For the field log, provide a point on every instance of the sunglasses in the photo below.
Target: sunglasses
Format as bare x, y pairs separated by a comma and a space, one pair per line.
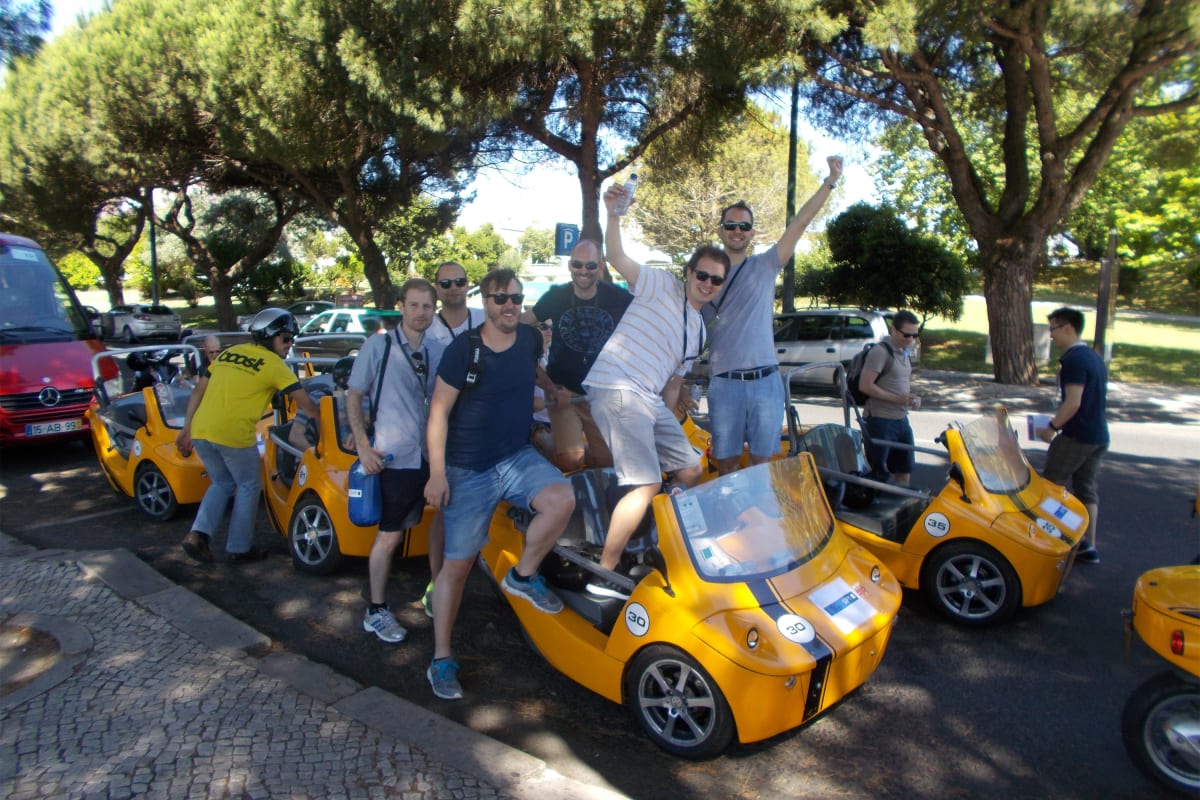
543, 326
500, 298
287, 338
716, 280
907, 335
590, 266
446, 283
737, 226
419, 366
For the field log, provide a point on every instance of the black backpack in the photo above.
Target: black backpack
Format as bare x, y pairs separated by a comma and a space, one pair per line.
855, 371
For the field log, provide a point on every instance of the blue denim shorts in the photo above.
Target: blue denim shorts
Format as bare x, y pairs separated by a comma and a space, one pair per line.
743, 412
474, 495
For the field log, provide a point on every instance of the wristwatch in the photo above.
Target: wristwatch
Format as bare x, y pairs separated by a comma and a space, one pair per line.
1052, 426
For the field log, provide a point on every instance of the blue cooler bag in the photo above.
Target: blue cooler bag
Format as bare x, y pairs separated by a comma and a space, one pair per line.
366, 502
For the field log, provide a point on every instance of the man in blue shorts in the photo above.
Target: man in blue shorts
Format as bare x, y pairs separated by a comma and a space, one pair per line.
745, 393
887, 381
479, 454
1078, 431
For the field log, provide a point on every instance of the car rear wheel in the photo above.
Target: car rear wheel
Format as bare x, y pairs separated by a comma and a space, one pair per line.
127, 335
678, 704
971, 583
153, 493
312, 539
1158, 726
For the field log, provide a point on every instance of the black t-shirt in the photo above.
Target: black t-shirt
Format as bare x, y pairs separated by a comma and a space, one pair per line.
581, 327
490, 421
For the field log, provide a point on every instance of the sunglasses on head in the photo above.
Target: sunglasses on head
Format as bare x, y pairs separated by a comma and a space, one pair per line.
737, 226
500, 298
446, 283
716, 280
590, 266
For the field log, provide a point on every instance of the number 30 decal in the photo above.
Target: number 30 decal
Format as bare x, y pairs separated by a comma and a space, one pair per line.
637, 620
795, 628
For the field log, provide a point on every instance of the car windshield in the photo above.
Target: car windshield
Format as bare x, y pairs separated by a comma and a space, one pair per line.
317, 323
996, 454
756, 522
36, 305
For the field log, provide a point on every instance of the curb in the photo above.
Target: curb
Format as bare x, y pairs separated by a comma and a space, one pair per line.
512, 771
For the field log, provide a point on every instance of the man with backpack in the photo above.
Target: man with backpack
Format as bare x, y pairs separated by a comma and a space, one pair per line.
885, 381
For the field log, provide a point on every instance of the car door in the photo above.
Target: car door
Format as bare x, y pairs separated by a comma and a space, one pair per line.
851, 333
804, 338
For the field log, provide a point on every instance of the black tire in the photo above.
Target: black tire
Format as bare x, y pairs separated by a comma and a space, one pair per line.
678, 704
127, 335
971, 583
153, 494
1152, 726
312, 540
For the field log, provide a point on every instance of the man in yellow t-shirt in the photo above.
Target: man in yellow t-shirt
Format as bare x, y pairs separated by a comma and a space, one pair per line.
221, 415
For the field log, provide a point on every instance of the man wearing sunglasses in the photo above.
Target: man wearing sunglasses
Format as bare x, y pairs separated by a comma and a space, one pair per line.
399, 427
480, 454
886, 379
585, 313
639, 368
453, 317
746, 397
227, 402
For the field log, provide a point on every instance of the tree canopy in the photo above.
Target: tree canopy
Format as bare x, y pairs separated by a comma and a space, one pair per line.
1046, 87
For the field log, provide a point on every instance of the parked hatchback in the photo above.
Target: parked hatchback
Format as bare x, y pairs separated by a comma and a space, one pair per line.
303, 311
136, 323
825, 334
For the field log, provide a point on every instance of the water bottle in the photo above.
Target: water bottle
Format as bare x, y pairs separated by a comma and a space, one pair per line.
630, 188
365, 505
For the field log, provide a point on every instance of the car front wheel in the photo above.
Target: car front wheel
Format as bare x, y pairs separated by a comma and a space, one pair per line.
678, 704
971, 583
153, 493
312, 539
1161, 731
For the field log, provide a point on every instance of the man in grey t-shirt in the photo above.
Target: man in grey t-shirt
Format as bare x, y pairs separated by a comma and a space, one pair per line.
886, 380
746, 396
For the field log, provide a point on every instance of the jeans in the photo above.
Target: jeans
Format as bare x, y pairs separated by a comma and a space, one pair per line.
235, 472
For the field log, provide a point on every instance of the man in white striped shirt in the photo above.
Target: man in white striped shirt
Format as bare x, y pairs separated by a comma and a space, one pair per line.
646, 356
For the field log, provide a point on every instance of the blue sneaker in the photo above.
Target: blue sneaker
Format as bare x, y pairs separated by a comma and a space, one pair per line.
443, 677
534, 590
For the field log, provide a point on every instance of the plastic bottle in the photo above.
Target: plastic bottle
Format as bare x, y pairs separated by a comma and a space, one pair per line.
365, 503
630, 188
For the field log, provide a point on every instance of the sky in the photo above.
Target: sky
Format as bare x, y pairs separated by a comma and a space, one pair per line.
549, 194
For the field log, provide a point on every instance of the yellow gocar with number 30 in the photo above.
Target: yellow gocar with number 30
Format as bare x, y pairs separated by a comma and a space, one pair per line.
749, 614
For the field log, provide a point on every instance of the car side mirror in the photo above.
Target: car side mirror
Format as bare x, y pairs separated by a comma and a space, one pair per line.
956, 475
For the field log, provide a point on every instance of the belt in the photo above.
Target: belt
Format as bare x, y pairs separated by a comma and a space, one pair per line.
749, 374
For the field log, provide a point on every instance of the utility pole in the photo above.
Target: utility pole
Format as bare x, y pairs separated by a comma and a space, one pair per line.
153, 249
789, 269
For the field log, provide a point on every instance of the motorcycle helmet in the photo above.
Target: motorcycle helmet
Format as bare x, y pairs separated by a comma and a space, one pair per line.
341, 372
270, 322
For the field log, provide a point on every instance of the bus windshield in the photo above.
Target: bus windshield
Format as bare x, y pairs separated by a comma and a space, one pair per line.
36, 303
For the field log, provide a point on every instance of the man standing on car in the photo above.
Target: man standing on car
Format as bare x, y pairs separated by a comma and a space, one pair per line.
399, 428
1078, 431
453, 317
639, 368
585, 313
886, 380
746, 397
219, 422
480, 454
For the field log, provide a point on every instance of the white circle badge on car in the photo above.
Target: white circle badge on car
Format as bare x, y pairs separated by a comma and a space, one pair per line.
796, 628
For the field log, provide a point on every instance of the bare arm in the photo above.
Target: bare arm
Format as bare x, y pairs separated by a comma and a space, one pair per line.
183, 440
437, 491
305, 402
866, 383
626, 266
1072, 398
808, 211
370, 458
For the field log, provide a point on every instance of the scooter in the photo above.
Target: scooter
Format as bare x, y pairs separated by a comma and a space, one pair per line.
1161, 721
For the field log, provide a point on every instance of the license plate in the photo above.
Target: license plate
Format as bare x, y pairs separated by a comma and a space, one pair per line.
50, 428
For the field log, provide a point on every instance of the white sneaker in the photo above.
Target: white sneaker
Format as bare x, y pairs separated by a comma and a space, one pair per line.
383, 624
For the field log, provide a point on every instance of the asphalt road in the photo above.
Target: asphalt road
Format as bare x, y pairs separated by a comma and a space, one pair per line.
1029, 710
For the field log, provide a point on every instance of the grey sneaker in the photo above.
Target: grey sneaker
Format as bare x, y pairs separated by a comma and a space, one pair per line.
534, 590
383, 624
427, 600
443, 677
602, 588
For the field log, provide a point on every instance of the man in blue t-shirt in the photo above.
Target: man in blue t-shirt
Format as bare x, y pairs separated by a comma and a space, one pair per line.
746, 396
585, 312
1078, 431
479, 454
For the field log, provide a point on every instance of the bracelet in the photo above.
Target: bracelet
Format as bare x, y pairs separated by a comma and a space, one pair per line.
1052, 426
830, 184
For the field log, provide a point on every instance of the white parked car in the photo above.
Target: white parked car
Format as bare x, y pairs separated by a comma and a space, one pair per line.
138, 323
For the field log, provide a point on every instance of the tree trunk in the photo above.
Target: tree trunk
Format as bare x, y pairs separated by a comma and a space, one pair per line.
1008, 268
222, 294
589, 189
374, 263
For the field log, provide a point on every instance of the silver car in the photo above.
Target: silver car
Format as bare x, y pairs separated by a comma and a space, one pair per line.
825, 334
137, 323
